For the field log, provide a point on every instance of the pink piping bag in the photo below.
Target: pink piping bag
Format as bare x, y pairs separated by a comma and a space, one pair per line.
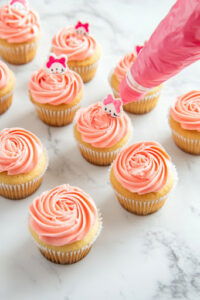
174, 45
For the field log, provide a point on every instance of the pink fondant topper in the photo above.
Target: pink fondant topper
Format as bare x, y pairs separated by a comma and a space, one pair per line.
56, 64
112, 106
21, 5
82, 28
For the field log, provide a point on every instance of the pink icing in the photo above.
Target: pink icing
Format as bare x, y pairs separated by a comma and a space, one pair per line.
76, 46
100, 129
4, 75
142, 167
17, 26
186, 111
20, 151
123, 66
55, 88
62, 215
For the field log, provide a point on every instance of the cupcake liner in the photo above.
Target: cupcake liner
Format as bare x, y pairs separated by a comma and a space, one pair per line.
70, 257
57, 117
186, 144
5, 102
86, 72
141, 207
20, 191
19, 54
96, 157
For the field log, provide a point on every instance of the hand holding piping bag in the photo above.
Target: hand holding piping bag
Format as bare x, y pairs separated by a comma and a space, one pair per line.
174, 45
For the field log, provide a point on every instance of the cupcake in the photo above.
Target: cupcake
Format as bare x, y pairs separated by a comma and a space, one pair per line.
149, 101
142, 177
23, 162
57, 94
64, 223
99, 135
82, 50
184, 121
7, 83
19, 32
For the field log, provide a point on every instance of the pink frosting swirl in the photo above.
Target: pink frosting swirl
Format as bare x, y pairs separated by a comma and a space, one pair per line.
100, 129
124, 65
17, 26
4, 75
55, 88
20, 151
62, 215
142, 167
186, 111
76, 46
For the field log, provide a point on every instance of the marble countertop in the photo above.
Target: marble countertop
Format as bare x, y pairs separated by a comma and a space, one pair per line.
140, 258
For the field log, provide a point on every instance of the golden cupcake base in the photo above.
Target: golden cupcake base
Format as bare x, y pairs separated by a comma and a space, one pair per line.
65, 258
70, 253
186, 140
5, 103
100, 156
96, 157
87, 73
20, 191
20, 53
58, 115
141, 204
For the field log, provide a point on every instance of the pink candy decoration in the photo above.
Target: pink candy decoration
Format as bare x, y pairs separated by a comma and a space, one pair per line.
112, 106
56, 64
82, 28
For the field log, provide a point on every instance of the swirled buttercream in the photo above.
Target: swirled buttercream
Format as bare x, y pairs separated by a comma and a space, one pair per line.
17, 26
55, 89
20, 151
62, 215
100, 129
186, 111
76, 46
142, 167
123, 66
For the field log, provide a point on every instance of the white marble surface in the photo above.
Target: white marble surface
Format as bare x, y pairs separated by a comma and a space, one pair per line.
140, 258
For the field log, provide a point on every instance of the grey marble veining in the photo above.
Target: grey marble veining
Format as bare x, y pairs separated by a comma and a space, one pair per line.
135, 258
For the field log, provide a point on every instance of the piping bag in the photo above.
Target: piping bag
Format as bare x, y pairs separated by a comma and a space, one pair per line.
174, 45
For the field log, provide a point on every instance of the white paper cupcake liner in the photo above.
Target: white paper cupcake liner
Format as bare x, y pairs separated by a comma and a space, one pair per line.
195, 142
57, 117
17, 50
83, 69
64, 257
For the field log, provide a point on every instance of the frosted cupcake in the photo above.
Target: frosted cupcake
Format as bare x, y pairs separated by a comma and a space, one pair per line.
56, 92
143, 105
23, 162
7, 83
184, 121
19, 32
82, 50
142, 177
100, 135
64, 223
